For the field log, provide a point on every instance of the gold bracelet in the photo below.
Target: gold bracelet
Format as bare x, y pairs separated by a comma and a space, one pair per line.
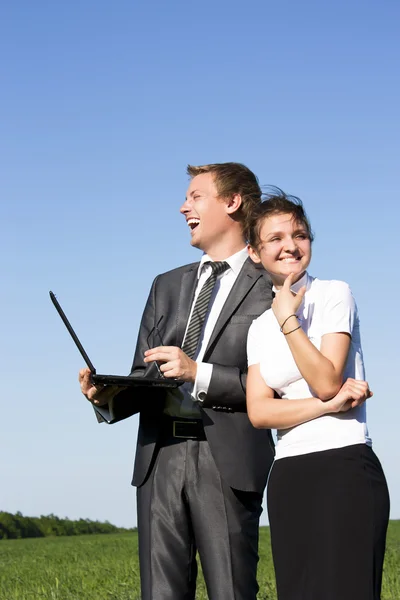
299, 327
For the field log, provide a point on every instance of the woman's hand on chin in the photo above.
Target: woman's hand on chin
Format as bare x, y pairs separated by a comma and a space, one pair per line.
286, 303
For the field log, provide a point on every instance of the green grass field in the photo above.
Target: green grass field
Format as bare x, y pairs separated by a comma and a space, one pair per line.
97, 567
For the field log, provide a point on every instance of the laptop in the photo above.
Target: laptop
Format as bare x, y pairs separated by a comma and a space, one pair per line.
118, 380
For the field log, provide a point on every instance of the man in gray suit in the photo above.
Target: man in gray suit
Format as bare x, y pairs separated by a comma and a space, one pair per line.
200, 468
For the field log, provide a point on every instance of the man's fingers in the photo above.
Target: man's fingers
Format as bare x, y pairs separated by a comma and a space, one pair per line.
157, 349
162, 349
97, 394
170, 371
157, 357
95, 391
85, 381
170, 364
83, 373
102, 394
163, 353
173, 362
98, 398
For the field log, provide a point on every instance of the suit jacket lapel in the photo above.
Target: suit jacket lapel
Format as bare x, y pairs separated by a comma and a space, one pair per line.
186, 295
246, 279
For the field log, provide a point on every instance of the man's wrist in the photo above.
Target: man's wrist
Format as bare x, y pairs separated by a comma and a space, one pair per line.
194, 372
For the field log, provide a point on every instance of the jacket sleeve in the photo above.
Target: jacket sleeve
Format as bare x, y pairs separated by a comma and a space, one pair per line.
227, 389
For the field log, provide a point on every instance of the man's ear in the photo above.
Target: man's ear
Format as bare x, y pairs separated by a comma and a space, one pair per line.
233, 204
253, 254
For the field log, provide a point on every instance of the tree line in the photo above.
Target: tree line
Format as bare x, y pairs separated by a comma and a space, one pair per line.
17, 526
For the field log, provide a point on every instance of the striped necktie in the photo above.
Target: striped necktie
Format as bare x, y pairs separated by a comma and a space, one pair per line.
200, 308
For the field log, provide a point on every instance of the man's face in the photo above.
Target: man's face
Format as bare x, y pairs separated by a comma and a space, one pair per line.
206, 215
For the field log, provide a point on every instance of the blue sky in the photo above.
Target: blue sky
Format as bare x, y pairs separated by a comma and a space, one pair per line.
102, 107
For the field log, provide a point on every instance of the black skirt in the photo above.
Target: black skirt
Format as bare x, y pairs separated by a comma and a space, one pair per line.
328, 514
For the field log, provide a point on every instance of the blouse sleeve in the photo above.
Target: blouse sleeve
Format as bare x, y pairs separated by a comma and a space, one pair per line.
340, 310
253, 346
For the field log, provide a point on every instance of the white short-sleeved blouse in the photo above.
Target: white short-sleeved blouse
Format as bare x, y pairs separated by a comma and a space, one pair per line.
328, 307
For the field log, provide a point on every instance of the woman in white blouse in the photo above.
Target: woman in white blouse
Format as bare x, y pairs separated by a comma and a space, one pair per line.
328, 501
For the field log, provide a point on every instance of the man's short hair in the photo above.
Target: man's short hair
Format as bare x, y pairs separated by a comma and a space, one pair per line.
233, 178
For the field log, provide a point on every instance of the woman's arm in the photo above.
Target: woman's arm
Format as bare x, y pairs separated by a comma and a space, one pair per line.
322, 369
265, 411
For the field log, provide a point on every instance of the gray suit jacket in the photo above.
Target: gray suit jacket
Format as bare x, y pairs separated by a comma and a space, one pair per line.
242, 453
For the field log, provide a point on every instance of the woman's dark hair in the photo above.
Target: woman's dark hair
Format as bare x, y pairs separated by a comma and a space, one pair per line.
275, 202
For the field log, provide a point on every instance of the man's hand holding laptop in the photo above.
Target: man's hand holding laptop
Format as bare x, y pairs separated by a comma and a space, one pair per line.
97, 394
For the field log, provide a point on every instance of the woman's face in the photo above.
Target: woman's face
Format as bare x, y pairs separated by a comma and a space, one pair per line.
284, 248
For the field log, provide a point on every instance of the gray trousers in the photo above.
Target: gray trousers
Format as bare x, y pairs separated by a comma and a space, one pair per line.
184, 507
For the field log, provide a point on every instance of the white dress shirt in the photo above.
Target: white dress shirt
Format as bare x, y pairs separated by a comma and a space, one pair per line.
183, 401
328, 307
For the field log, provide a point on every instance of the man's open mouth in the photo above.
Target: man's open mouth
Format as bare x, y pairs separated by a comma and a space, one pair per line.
193, 223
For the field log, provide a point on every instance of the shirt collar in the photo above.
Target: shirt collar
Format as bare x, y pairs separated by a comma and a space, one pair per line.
304, 280
235, 262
